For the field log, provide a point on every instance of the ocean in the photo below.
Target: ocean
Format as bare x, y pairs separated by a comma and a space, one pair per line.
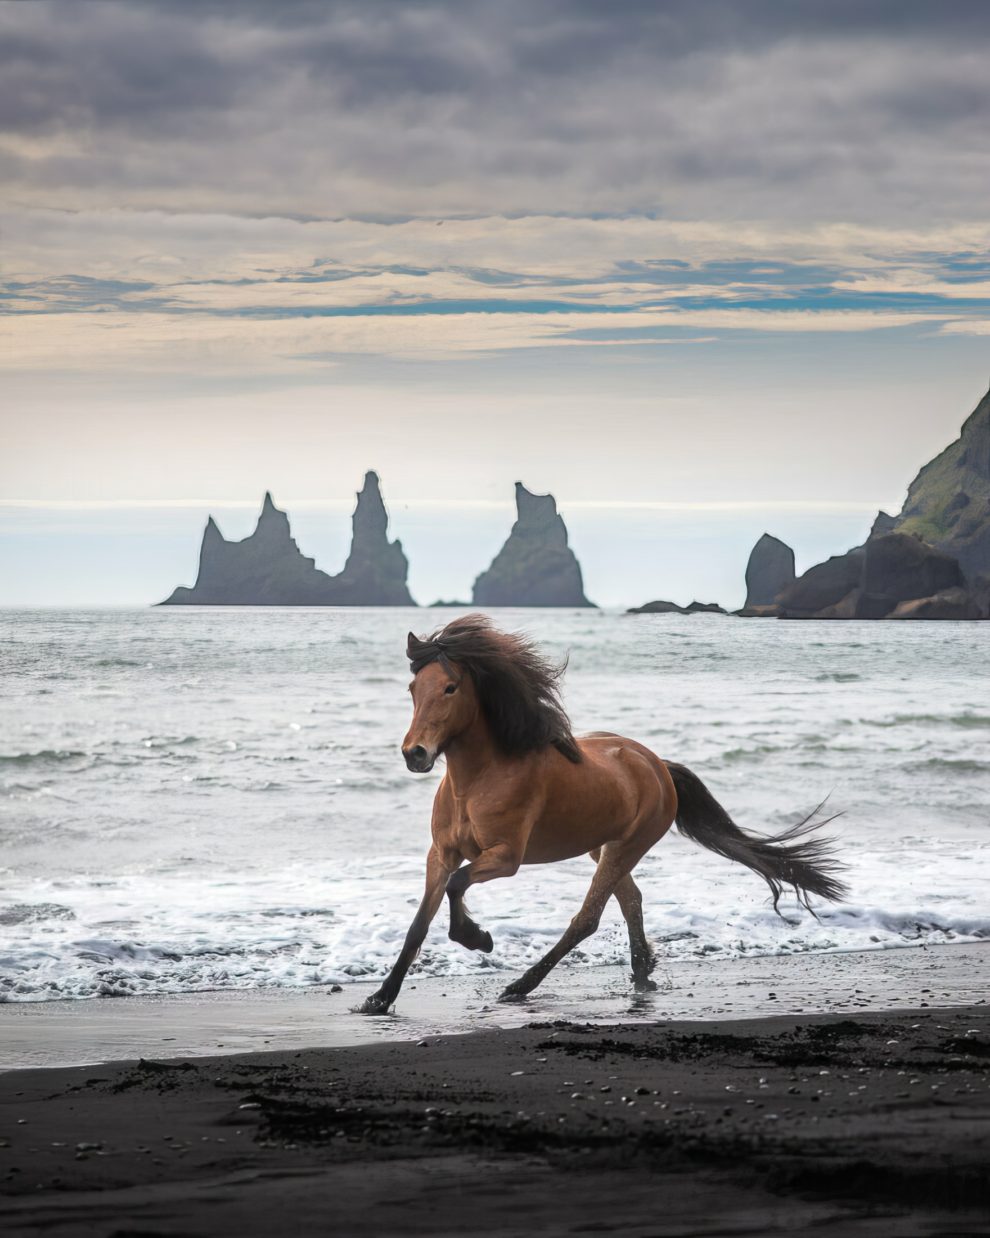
196, 799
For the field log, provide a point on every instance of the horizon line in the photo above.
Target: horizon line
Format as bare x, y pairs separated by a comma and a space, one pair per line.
702, 505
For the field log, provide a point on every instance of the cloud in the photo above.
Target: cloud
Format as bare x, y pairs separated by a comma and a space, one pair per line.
205, 344
974, 326
721, 111
205, 293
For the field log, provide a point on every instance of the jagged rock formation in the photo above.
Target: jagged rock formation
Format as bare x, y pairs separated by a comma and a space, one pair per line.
671, 608
948, 503
769, 572
930, 562
873, 581
376, 569
268, 569
535, 567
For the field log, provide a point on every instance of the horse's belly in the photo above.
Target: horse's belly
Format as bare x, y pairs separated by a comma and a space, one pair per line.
545, 847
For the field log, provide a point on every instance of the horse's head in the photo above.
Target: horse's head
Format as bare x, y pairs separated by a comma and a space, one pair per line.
444, 704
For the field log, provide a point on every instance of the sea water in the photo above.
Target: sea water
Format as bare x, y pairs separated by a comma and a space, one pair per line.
215, 798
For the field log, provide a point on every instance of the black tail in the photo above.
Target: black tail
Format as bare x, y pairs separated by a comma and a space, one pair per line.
788, 859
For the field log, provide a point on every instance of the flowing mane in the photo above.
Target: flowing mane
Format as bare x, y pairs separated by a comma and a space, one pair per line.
518, 689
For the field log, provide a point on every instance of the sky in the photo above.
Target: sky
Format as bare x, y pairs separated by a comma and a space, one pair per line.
700, 271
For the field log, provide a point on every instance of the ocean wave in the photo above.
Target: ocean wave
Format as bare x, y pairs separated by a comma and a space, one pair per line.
965, 719
46, 756
32, 913
293, 947
962, 765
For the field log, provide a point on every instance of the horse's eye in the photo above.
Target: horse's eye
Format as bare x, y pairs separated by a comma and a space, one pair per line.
450, 689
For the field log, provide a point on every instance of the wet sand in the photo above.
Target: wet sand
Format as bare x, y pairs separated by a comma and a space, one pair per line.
859, 1122
74, 1033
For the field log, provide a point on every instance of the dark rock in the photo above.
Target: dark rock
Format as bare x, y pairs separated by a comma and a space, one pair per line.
979, 589
657, 608
883, 523
671, 608
823, 586
535, 567
846, 608
870, 581
704, 608
948, 503
955, 603
268, 569
769, 572
898, 568
759, 612
376, 569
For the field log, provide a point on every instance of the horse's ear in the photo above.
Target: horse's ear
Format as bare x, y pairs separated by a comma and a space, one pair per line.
413, 643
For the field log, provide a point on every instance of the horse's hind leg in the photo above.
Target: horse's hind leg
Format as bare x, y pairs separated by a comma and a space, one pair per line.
611, 870
643, 960
630, 900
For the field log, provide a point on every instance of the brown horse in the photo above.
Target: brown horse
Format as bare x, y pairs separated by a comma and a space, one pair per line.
520, 789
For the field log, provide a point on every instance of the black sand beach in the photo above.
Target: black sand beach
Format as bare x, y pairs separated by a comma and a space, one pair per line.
871, 1122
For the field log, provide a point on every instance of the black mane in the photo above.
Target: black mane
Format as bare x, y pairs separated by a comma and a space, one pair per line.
518, 689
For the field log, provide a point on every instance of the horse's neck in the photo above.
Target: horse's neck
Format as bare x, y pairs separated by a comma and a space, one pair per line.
469, 756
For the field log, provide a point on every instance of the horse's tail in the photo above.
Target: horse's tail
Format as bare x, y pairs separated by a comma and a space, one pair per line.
787, 859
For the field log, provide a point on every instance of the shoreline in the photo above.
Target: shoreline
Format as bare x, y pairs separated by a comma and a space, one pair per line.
225, 1022
862, 1125
842, 1104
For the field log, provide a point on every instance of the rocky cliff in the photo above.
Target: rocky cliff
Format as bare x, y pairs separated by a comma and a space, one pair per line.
930, 562
770, 571
888, 578
948, 503
535, 567
268, 568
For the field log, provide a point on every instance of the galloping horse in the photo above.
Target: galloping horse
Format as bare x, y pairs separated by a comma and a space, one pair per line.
521, 789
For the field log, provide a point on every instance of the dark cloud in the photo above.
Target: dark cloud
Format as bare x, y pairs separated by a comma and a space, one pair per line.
820, 111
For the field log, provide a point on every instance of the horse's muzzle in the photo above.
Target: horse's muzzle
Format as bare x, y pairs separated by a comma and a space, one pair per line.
418, 759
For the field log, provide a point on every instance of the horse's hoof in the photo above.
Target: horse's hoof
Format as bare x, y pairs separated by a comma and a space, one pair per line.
512, 995
375, 1004
473, 939
645, 986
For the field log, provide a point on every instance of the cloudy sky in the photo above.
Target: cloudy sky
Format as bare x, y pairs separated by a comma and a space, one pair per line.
697, 269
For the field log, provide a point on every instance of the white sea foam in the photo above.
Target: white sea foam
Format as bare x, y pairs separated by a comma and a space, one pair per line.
215, 799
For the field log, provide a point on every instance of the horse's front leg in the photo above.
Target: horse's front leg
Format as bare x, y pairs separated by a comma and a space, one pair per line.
501, 860
437, 872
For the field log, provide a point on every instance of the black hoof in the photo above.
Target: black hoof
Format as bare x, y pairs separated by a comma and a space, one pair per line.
512, 995
476, 939
645, 985
375, 1004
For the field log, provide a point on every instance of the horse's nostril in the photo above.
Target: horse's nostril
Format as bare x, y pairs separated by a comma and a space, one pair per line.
416, 754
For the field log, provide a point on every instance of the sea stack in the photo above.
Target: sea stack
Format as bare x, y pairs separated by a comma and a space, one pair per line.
535, 567
376, 570
769, 572
268, 568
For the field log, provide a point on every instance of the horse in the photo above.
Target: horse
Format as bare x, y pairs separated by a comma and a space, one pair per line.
519, 788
